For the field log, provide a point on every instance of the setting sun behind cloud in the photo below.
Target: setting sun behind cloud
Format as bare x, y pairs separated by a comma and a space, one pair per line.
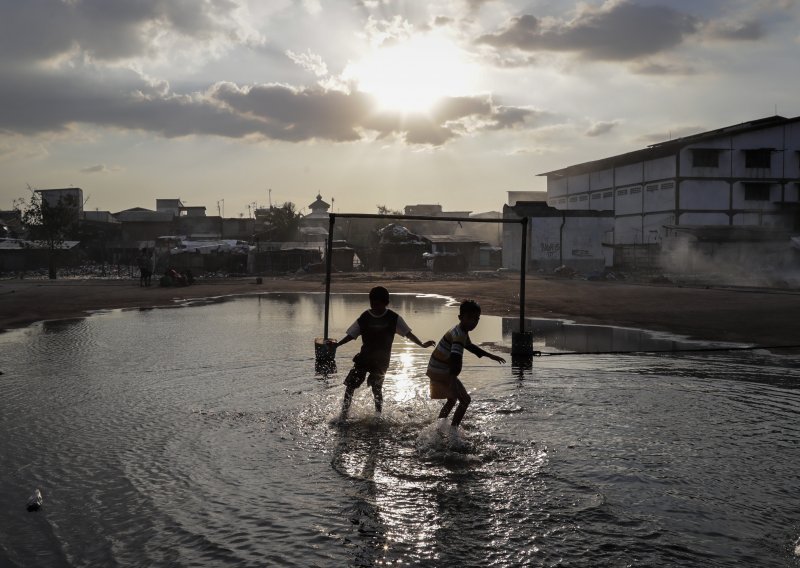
412, 76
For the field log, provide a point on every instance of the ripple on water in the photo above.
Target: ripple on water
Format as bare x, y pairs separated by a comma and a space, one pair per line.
200, 436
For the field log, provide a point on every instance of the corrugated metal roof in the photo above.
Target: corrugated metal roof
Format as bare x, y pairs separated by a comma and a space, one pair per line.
668, 147
451, 239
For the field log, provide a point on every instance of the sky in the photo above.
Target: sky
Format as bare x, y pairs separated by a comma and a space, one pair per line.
232, 104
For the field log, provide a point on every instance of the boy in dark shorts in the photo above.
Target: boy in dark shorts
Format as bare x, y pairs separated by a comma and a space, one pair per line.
445, 363
377, 328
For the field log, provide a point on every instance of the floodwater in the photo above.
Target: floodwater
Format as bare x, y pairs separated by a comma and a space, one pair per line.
200, 436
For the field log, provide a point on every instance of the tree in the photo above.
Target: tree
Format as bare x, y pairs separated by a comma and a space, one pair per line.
280, 223
384, 210
49, 224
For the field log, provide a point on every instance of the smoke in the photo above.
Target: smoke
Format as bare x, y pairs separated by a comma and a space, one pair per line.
772, 264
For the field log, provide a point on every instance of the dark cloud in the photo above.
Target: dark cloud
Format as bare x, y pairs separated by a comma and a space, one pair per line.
506, 117
106, 30
616, 31
737, 31
35, 101
655, 68
285, 113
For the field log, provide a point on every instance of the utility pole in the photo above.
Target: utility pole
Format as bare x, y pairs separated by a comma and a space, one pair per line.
270, 198
221, 213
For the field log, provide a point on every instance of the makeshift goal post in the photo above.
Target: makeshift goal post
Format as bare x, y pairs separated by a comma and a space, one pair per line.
521, 341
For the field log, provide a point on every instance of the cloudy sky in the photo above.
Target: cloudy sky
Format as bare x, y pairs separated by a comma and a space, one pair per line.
370, 102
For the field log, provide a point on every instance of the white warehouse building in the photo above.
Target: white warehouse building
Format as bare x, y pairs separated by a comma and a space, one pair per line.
741, 176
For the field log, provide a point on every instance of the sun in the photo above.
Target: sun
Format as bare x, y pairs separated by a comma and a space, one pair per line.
411, 76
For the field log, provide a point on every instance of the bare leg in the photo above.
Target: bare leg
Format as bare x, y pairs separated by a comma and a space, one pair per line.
448, 406
353, 380
463, 402
347, 400
376, 382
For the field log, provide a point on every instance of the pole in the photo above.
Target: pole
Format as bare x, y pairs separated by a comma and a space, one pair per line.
522, 341
523, 265
328, 258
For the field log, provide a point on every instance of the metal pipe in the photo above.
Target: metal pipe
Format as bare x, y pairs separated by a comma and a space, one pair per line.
328, 258
523, 268
425, 218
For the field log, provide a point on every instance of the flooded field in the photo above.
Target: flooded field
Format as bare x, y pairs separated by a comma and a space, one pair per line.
201, 436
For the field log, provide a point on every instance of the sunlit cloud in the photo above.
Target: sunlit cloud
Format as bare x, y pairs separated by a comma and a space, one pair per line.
99, 169
600, 128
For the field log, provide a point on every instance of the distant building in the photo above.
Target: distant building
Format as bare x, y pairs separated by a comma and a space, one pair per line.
455, 253
194, 210
319, 216
516, 196
745, 175
174, 206
72, 196
557, 237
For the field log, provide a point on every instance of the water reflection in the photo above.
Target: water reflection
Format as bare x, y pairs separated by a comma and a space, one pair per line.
561, 335
355, 456
201, 436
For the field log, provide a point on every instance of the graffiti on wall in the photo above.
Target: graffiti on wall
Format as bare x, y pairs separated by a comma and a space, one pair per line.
550, 250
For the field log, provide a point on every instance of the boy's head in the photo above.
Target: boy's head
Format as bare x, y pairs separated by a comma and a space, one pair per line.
378, 299
469, 314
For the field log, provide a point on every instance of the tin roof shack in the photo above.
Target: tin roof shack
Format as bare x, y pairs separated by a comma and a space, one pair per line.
12, 221
202, 256
760, 256
280, 258
18, 255
343, 256
558, 237
454, 253
400, 249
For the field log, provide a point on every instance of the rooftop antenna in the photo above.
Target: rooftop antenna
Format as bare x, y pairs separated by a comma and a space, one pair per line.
270, 197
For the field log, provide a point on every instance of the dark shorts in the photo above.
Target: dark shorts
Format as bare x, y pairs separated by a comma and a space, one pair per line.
355, 378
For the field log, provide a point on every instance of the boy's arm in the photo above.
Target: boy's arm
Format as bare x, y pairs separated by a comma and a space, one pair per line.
475, 350
416, 340
343, 340
352, 332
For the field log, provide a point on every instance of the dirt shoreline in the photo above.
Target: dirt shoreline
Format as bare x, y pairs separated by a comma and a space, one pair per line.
753, 316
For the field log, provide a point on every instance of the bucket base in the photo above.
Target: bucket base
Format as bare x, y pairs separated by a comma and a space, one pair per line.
522, 344
324, 358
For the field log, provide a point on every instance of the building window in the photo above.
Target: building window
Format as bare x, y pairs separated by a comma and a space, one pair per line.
622, 192
705, 158
668, 185
635, 190
757, 158
597, 195
608, 194
651, 187
573, 199
584, 197
756, 192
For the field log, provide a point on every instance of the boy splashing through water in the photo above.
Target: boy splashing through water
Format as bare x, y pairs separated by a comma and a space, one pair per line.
446, 360
377, 328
